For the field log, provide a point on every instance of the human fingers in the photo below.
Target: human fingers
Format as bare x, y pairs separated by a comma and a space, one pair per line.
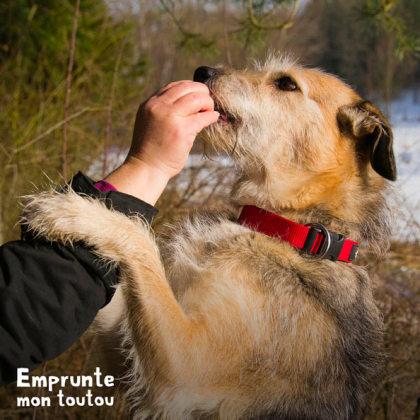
163, 89
179, 90
202, 119
192, 103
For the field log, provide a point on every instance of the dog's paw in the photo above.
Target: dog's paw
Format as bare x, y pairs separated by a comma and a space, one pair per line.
60, 216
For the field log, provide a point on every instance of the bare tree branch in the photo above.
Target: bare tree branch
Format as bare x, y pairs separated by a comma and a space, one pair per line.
178, 24
56, 126
68, 89
8, 155
226, 34
189, 37
111, 100
286, 24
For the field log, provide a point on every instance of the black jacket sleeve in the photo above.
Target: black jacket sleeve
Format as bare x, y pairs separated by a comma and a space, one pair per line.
50, 294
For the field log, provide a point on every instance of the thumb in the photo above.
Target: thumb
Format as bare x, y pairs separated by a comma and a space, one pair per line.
203, 119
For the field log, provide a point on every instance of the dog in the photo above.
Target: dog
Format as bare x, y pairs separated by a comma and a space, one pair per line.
228, 320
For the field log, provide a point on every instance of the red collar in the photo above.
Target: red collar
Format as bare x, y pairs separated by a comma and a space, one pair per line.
314, 238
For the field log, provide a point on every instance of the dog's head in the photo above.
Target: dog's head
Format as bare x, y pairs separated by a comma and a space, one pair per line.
301, 137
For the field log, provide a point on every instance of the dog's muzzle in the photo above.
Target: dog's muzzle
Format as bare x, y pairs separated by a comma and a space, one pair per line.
204, 73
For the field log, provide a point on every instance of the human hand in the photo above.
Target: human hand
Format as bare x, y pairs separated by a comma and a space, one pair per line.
168, 123
164, 133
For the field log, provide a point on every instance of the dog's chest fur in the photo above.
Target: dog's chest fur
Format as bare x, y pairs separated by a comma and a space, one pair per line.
211, 244
223, 272
301, 314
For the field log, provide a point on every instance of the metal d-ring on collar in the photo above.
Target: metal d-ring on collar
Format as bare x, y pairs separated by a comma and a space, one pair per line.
326, 242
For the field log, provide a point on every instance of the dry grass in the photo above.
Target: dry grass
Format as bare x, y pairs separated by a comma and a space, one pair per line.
398, 293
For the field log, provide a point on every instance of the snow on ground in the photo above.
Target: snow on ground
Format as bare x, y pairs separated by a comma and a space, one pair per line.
404, 114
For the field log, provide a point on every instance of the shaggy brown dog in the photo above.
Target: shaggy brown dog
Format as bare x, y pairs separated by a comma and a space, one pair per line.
230, 323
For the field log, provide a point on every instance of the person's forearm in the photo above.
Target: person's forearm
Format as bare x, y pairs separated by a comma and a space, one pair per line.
139, 180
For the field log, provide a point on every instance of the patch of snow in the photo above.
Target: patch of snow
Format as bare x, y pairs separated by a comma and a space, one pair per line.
405, 122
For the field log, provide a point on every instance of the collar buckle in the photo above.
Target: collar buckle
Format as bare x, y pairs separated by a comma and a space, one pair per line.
331, 245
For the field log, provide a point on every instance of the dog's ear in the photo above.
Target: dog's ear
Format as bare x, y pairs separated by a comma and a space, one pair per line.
364, 122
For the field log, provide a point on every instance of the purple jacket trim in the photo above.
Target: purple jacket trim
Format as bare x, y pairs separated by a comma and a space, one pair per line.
105, 186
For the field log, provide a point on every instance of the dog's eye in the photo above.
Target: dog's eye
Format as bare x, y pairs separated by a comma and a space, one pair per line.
286, 83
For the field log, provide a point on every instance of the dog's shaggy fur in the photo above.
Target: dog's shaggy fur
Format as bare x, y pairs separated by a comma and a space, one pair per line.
229, 323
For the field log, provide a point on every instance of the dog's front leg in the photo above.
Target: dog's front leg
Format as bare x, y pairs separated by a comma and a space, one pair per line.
159, 330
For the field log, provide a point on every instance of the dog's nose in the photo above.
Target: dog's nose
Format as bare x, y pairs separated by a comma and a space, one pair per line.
204, 73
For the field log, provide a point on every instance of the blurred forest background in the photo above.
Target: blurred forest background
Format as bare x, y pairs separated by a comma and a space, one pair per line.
73, 73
